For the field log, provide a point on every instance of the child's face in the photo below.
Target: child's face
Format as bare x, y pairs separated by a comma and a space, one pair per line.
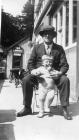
47, 62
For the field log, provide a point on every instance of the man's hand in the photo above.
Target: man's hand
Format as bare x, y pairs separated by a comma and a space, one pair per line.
35, 72
56, 74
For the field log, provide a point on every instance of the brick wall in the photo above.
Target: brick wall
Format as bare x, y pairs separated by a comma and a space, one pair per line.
26, 55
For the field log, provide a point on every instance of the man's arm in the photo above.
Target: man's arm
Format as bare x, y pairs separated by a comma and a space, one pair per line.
64, 66
32, 60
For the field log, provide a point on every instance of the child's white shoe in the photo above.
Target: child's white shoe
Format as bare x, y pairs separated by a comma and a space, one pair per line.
47, 110
40, 115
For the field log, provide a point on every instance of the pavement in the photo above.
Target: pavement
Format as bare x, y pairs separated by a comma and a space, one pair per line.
50, 127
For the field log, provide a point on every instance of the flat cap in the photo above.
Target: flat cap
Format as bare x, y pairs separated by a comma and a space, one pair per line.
49, 28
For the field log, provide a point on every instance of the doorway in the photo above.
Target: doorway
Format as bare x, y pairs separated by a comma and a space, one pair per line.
17, 61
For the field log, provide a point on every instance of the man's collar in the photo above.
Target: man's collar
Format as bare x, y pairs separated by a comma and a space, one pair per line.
50, 46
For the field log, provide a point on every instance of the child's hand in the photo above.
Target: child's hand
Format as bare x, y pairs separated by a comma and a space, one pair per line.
49, 69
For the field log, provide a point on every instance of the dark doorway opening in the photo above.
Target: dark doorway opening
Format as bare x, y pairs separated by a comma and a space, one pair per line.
17, 61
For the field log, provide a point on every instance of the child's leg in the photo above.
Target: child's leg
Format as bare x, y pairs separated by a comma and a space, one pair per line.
49, 99
42, 96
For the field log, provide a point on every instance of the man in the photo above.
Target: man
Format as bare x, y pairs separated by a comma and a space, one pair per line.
60, 64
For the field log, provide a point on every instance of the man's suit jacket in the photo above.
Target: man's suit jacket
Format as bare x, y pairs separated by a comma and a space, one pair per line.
59, 58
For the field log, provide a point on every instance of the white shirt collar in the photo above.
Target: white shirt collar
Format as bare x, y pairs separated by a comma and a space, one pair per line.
50, 46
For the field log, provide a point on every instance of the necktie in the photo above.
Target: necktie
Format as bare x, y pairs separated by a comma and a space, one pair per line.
48, 51
48, 47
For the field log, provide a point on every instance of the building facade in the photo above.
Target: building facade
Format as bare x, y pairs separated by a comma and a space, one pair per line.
0, 21
18, 55
63, 15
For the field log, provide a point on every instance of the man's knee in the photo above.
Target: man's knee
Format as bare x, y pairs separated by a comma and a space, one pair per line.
64, 79
26, 79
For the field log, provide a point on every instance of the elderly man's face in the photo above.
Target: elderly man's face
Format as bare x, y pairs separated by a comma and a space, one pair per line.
48, 37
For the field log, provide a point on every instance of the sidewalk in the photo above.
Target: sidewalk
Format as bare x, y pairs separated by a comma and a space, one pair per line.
53, 127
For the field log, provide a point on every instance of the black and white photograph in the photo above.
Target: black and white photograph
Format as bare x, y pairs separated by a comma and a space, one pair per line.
39, 69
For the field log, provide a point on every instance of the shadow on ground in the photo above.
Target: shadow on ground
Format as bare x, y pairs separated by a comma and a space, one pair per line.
73, 108
7, 116
6, 132
6, 128
55, 110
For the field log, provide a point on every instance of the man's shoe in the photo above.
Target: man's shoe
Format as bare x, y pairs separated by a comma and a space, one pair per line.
66, 115
24, 112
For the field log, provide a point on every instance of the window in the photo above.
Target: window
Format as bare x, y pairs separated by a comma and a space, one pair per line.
50, 20
56, 23
56, 27
74, 21
17, 61
67, 23
60, 26
61, 17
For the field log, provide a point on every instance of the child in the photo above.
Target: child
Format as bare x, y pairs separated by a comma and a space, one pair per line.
46, 85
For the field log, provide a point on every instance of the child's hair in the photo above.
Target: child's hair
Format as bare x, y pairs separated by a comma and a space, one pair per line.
47, 57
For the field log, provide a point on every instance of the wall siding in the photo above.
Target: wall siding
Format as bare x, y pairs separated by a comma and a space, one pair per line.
9, 63
71, 57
